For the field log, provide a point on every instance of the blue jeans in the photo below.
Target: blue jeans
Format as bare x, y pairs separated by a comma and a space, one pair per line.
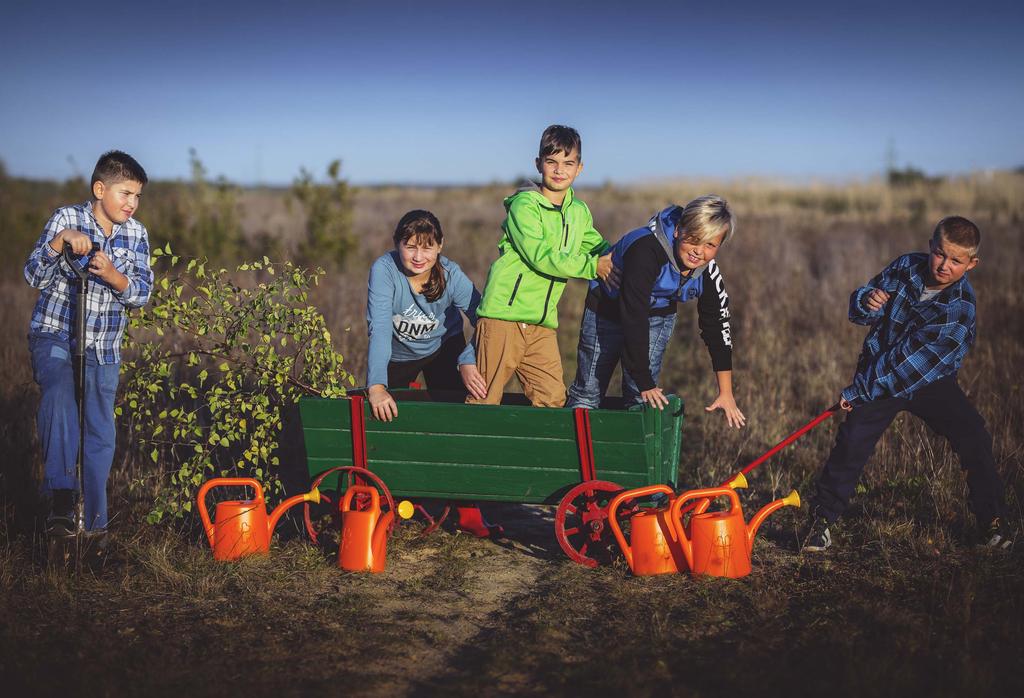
941, 405
57, 422
598, 352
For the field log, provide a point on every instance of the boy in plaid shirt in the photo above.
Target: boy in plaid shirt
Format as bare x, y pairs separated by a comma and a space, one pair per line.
120, 278
921, 310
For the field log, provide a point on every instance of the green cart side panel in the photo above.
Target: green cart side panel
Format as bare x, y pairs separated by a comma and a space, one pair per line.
450, 450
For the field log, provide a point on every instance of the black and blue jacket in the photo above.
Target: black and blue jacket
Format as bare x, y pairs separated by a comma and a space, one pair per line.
653, 282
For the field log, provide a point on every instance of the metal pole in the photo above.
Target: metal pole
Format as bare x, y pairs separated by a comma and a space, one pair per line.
82, 288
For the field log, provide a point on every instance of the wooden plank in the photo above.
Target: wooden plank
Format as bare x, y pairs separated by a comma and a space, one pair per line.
477, 450
495, 453
482, 420
459, 481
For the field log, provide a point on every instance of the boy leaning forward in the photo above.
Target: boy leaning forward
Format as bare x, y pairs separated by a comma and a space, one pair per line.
547, 238
921, 310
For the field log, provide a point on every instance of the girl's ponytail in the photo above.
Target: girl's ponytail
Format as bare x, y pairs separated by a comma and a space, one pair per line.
434, 288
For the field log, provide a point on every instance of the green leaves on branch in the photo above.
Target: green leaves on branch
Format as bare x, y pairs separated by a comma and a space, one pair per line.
214, 358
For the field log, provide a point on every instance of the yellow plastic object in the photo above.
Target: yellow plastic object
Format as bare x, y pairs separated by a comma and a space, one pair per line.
739, 482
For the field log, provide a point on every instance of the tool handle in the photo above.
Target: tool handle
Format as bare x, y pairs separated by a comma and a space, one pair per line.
781, 445
69, 257
791, 438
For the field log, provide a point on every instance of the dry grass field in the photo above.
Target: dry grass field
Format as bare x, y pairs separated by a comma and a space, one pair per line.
902, 603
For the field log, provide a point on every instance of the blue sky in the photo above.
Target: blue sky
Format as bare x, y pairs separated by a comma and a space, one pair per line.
458, 92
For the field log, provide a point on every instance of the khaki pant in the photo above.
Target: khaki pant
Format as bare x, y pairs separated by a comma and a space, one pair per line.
529, 351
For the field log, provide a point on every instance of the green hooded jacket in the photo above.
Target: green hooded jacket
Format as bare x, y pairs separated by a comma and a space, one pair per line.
541, 247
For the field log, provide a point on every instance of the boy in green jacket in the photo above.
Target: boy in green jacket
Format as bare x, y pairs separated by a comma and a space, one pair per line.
548, 237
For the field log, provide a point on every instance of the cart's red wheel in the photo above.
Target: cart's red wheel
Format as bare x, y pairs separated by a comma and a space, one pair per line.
353, 473
581, 522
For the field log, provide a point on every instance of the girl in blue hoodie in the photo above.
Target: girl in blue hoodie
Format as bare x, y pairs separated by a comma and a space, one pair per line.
414, 307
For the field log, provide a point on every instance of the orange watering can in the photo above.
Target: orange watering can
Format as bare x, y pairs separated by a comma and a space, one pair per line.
654, 547
242, 527
364, 532
719, 543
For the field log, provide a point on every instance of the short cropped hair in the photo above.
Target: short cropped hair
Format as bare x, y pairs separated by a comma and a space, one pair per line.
705, 218
560, 139
115, 166
959, 231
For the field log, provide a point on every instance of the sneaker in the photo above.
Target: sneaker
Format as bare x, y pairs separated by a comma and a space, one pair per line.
996, 536
60, 526
95, 543
817, 538
61, 521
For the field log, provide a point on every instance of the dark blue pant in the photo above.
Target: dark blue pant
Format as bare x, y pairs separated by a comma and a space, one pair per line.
943, 406
57, 422
599, 351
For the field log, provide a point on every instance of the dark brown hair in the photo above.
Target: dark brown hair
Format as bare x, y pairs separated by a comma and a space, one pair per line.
424, 226
560, 139
958, 231
115, 166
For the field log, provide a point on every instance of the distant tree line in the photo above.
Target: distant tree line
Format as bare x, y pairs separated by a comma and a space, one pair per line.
199, 217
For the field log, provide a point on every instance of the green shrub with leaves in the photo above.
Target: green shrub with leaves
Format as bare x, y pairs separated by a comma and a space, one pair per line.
215, 356
328, 237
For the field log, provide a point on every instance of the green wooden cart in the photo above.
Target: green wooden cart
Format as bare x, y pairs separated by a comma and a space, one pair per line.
440, 448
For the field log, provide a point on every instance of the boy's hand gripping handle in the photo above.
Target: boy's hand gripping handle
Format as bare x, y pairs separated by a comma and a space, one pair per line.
69, 257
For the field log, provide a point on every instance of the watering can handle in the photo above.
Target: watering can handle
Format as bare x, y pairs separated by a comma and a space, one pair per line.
346, 502
677, 513
222, 482
613, 506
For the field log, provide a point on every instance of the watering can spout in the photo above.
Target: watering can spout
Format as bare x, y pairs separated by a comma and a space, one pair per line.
790, 500
738, 483
311, 496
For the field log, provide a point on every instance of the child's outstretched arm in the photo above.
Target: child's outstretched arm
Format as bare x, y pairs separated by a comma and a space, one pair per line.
714, 320
467, 299
933, 352
726, 402
641, 265
379, 294
526, 232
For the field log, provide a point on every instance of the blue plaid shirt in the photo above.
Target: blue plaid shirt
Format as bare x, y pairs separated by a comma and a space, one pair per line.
911, 342
106, 319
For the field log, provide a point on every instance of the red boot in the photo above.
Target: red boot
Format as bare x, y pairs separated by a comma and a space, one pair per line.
471, 520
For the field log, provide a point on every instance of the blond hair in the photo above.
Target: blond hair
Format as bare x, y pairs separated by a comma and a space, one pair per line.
705, 218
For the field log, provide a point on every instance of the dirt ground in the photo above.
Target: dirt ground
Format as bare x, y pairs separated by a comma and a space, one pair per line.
902, 604
882, 613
